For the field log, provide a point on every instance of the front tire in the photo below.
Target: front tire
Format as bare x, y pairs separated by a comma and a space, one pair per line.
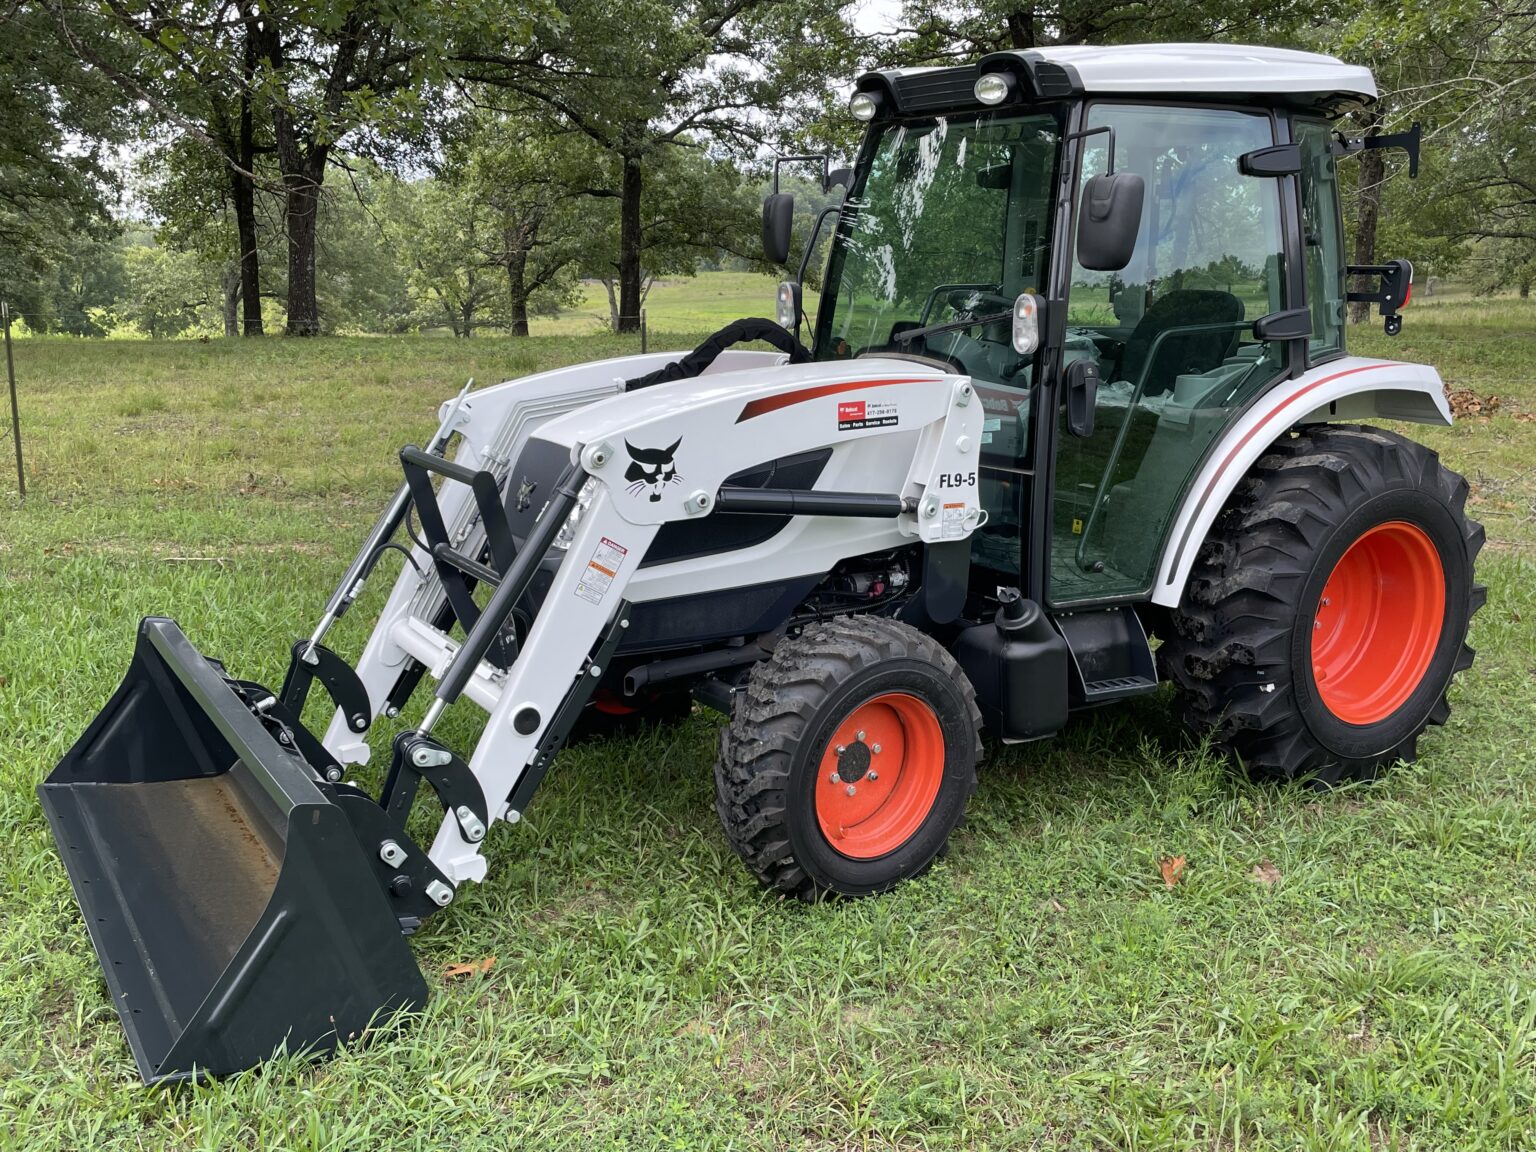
1327, 612
849, 759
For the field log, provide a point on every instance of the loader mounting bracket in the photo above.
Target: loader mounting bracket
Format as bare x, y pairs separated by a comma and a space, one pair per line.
311, 662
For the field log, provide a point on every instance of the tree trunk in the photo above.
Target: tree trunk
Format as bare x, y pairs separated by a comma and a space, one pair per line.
517, 291
244, 189
628, 319
1371, 171
613, 304
232, 290
302, 214
1525, 289
1021, 28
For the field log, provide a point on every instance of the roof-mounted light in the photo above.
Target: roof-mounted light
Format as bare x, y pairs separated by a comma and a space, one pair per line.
865, 106
995, 87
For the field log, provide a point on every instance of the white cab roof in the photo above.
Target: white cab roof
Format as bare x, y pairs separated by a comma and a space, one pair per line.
1209, 68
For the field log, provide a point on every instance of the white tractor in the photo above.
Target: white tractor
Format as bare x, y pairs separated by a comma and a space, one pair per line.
1077, 379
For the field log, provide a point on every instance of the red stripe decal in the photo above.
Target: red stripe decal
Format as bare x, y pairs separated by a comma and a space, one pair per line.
784, 400
1247, 436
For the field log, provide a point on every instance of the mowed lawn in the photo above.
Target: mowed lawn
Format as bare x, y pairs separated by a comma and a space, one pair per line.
1345, 970
678, 304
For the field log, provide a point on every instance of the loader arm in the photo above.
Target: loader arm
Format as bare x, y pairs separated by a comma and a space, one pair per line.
646, 459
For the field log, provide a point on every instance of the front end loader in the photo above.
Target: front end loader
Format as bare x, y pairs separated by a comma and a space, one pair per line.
1077, 384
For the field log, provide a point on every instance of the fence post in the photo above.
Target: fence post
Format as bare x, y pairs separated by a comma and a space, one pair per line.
10, 373
642, 331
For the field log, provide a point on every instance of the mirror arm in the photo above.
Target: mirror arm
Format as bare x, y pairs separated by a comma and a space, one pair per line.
1109, 167
820, 156
810, 243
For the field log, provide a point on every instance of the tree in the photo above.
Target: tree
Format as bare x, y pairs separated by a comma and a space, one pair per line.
537, 227
166, 290
56, 123
645, 78
193, 67
934, 31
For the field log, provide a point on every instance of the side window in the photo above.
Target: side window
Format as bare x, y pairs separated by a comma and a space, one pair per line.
1172, 334
1323, 238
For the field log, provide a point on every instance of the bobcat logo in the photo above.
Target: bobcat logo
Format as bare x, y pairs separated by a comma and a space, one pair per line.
652, 469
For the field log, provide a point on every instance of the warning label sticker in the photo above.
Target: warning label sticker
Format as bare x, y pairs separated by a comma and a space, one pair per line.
601, 571
855, 414
954, 521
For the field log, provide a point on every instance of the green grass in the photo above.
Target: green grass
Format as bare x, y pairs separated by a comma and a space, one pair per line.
684, 304
1039, 988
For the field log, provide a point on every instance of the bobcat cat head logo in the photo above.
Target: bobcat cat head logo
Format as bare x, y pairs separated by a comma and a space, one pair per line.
652, 469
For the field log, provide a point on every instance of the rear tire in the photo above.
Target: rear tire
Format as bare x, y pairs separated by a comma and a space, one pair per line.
1327, 611
905, 717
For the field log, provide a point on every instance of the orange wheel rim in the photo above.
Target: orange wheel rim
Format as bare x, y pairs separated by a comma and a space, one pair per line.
1378, 623
880, 775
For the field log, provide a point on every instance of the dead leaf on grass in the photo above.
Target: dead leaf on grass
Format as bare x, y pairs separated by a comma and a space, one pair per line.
1173, 870
469, 968
1265, 874
1466, 403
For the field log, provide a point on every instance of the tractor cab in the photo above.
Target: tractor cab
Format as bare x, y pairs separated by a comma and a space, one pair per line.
1122, 248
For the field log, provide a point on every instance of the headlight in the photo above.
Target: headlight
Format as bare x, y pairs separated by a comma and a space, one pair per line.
993, 87
567, 533
864, 106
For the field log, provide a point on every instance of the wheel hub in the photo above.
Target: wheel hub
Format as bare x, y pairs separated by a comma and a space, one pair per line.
853, 763
1378, 623
880, 775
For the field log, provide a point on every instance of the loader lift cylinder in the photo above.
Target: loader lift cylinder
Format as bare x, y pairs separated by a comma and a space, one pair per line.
513, 585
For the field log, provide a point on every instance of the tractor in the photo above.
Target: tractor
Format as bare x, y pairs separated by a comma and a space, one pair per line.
1073, 416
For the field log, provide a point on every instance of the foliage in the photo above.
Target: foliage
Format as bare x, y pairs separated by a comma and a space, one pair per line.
56, 127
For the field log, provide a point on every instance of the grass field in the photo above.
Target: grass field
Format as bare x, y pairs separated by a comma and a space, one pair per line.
684, 304
1349, 970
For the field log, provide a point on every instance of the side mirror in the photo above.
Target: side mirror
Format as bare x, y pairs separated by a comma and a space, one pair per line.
1082, 393
778, 223
1108, 219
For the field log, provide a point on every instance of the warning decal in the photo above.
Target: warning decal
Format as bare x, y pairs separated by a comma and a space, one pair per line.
954, 521
601, 571
855, 414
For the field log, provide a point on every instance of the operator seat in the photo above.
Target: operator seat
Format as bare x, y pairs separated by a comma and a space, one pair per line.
1181, 352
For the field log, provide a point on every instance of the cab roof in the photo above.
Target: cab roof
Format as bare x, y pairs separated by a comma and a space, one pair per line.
1212, 68
1155, 70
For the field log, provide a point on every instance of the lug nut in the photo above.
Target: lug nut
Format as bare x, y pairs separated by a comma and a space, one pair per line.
841, 749
873, 776
836, 779
860, 735
851, 790
875, 749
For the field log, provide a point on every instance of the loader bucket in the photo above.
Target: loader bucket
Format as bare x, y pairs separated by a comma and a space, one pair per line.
230, 903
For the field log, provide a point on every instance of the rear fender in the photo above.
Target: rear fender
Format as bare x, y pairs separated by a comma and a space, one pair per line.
1347, 390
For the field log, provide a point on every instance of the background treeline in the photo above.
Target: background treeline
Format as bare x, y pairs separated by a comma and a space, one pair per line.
389, 166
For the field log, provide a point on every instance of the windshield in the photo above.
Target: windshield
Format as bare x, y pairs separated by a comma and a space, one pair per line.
951, 222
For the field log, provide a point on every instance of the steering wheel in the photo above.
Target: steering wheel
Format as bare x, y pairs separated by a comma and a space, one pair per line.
947, 292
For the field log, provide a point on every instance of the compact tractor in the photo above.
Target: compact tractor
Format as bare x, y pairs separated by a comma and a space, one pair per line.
1074, 415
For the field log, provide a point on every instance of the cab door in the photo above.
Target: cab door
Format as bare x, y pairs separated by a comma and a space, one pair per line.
1172, 335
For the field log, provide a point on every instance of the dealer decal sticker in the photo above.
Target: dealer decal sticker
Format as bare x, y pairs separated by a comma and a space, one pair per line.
855, 414
601, 571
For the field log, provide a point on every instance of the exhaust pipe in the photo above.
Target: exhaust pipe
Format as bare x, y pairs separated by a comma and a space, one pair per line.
229, 899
